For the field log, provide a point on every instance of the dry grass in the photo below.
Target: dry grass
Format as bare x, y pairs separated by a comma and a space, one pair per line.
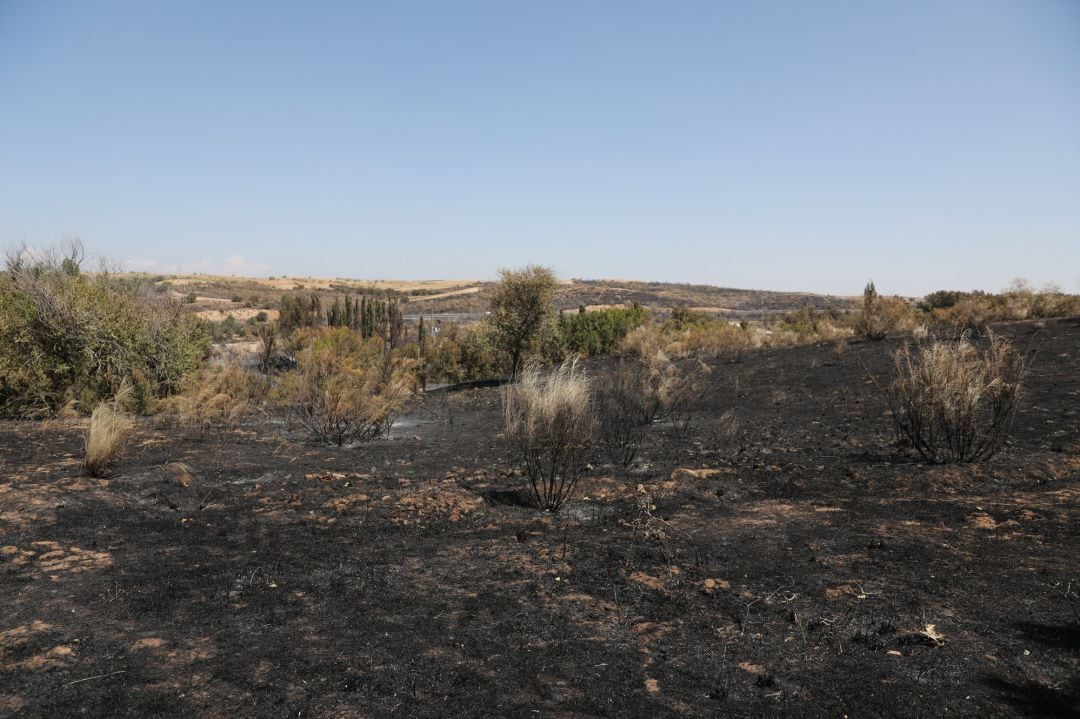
881, 315
181, 473
240, 314
953, 401
110, 428
217, 397
658, 386
976, 311
648, 340
549, 423
714, 340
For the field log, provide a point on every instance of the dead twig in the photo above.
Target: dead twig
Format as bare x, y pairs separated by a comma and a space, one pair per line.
99, 676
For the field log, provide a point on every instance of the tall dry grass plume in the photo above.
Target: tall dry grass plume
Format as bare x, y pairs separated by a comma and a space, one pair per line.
110, 428
549, 425
953, 401
223, 397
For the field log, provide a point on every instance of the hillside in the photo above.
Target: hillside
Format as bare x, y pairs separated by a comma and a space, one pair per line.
219, 295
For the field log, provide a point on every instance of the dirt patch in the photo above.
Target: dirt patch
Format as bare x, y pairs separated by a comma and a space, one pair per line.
451, 293
704, 473
439, 502
647, 580
240, 314
53, 559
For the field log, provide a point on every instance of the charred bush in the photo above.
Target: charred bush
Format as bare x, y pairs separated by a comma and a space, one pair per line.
620, 427
549, 425
953, 401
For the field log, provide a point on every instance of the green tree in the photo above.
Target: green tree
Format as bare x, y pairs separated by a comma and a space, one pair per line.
521, 306
421, 345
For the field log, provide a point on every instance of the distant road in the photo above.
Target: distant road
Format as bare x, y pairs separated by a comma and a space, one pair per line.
452, 316
466, 316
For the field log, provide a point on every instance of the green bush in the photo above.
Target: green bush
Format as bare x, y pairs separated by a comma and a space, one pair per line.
466, 353
522, 310
68, 336
599, 332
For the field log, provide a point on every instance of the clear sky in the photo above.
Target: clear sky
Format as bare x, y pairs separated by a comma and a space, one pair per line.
765, 144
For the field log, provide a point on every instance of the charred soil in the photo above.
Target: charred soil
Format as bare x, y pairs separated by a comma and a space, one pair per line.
780, 556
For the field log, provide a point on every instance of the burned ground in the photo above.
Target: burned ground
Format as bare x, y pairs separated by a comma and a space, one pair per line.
781, 559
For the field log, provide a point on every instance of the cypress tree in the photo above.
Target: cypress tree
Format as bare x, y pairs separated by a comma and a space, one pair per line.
421, 340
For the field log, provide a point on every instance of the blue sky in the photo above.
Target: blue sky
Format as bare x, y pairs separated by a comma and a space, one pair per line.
778, 145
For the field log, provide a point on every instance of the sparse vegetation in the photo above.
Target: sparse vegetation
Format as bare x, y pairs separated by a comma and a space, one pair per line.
973, 312
549, 424
780, 447
954, 401
620, 426
657, 386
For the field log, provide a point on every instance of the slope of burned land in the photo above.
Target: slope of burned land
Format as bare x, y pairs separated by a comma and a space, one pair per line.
705, 297
778, 558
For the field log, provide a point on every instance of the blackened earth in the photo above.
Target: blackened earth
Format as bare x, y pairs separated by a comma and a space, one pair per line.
781, 556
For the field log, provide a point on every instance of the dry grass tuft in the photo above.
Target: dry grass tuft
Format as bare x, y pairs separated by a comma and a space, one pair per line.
954, 402
549, 424
181, 473
110, 428
69, 411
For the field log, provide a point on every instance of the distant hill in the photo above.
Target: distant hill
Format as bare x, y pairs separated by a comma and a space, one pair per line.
219, 293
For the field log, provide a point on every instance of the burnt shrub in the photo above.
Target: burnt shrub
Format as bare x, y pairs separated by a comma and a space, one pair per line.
953, 401
344, 388
660, 387
620, 425
549, 425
